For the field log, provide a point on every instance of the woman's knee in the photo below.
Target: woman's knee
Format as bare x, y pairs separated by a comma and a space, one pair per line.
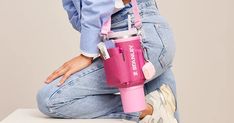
45, 98
46, 104
54, 101
42, 100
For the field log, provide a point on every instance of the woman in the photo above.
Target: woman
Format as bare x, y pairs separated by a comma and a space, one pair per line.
78, 88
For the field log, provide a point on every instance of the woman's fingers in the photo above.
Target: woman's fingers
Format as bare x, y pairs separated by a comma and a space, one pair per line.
70, 67
62, 70
65, 76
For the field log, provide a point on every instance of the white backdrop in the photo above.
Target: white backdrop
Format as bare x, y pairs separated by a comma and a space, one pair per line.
36, 39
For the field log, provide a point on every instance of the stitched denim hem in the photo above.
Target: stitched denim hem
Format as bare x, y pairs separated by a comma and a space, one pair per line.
132, 117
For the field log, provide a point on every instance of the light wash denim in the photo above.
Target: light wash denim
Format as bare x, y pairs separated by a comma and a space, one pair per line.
85, 93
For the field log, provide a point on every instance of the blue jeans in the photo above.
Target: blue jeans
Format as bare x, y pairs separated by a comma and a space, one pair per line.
85, 93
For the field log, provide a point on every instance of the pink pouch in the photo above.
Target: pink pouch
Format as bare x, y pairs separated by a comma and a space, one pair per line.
115, 68
124, 67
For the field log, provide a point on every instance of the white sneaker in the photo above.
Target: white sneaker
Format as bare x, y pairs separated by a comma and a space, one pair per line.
164, 106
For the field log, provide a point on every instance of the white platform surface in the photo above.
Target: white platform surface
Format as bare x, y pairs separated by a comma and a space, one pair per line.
34, 116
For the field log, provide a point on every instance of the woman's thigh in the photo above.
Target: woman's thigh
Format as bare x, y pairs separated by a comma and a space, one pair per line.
76, 97
84, 94
88, 81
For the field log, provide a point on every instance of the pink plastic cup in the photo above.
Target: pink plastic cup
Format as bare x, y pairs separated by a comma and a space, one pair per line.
133, 98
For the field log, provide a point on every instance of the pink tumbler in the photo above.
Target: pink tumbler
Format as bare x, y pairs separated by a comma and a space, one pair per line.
124, 70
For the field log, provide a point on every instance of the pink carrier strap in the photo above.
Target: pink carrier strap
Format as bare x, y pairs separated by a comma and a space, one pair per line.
137, 21
136, 14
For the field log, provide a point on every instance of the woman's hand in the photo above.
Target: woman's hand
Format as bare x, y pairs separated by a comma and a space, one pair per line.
70, 67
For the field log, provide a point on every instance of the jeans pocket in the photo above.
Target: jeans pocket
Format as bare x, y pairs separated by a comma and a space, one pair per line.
168, 45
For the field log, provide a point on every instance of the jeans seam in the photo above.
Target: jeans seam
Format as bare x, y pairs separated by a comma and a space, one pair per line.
126, 116
86, 73
163, 51
57, 113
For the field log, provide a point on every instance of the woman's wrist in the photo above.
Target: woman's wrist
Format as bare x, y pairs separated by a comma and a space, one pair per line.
90, 58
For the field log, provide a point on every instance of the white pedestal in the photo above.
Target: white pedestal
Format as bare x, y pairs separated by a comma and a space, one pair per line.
34, 116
